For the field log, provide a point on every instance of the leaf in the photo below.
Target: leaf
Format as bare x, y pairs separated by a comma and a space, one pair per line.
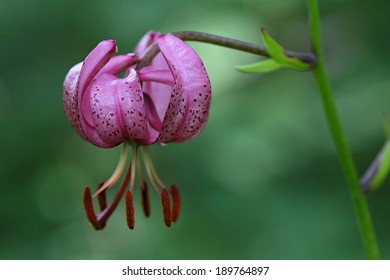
376, 174
264, 66
383, 168
276, 51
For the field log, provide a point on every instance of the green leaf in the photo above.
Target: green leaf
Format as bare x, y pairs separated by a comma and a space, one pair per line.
383, 168
276, 51
264, 66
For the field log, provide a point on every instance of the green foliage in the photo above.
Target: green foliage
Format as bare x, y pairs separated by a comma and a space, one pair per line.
276, 51
383, 169
278, 59
264, 66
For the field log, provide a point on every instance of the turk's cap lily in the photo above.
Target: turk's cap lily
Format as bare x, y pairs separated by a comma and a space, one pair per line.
163, 102
167, 101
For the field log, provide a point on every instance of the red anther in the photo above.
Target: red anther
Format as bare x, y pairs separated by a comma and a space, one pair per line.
166, 207
102, 199
88, 206
175, 203
145, 198
129, 210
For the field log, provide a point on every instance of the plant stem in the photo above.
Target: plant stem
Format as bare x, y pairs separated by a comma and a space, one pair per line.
153, 49
362, 211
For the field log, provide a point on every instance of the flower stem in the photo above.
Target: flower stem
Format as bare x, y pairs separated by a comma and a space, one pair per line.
237, 44
361, 208
153, 50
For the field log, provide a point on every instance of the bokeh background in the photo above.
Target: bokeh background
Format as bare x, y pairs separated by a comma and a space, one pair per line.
261, 182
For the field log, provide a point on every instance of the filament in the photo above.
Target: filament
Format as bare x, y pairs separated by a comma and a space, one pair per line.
117, 173
138, 167
133, 163
148, 167
153, 171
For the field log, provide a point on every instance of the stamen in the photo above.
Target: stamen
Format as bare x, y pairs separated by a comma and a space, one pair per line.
102, 199
148, 167
133, 164
145, 199
117, 173
88, 206
166, 207
169, 214
176, 203
151, 166
129, 210
104, 215
139, 170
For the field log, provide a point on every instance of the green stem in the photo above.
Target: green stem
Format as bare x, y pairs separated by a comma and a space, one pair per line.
153, 49
362, 211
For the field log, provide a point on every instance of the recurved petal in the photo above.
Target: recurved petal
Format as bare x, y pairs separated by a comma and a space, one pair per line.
69, 98
190, 98
118, 110
157, 83
152, 74
148, 39
75, 87
118, 64
95, 61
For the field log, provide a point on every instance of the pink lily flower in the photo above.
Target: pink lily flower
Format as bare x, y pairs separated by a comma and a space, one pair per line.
166, 101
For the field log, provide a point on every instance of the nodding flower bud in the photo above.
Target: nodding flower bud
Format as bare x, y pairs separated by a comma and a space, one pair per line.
166, 101
376, 174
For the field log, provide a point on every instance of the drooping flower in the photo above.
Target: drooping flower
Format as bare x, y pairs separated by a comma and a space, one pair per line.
164, 102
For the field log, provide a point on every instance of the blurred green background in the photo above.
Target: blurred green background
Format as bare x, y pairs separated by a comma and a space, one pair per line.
261, 182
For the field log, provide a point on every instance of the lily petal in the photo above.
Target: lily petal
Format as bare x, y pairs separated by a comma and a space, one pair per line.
69, 98
156, 87
118, 110
92, 64
95, 60
190, 97
148, 39
114, 66
158, 76
153, 118
118, 64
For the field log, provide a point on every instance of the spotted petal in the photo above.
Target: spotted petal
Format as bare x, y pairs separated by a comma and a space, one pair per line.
76, 93
69, 98
190, 96
156, 84
118, 110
